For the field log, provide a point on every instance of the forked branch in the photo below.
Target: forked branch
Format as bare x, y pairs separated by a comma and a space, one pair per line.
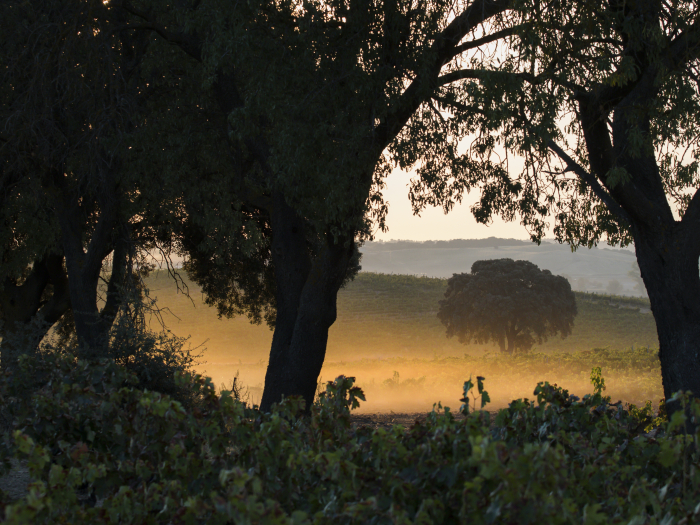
575, 167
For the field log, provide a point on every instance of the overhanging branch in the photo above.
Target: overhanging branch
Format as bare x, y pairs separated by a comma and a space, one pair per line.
510, 31
572, 165
442, 49
188, 43
477, 74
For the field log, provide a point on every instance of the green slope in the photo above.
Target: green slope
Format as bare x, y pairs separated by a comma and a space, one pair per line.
393, 315
388, 323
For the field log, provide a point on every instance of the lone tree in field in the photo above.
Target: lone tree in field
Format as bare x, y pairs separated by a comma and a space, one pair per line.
512, 302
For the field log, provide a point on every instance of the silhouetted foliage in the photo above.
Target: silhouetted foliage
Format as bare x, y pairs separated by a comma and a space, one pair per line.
511, 302
141, 457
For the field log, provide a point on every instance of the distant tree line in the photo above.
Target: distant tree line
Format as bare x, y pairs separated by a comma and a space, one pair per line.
489, 242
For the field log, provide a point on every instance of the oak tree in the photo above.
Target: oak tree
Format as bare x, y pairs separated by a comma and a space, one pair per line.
314, 102
602, 99
512, 303
68, 88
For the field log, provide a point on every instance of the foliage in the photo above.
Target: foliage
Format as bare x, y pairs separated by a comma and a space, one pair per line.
511, 302
571, 64
155, 358
72, 93
100, 451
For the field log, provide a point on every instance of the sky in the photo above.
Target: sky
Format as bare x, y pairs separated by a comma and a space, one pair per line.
433, 224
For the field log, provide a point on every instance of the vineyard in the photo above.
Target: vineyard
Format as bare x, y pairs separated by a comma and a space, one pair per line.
388, 336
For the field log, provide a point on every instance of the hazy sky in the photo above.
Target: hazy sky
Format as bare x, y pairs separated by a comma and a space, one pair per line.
433, 224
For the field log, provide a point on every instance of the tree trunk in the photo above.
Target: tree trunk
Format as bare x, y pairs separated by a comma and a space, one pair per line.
502, 343
26, 318
307, 290
511, 335
669, 268
84, 266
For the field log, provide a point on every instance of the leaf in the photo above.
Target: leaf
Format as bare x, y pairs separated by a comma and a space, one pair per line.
617, 175
669, 453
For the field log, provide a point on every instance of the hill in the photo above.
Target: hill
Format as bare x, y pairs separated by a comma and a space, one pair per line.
594, 270
388, 323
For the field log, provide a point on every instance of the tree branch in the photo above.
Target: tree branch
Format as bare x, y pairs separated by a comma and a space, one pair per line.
443, 51
477, 74
685, 47
572, 165
510, 31
692, 213
188, 43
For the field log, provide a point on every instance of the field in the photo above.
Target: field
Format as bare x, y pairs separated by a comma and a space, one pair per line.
388, 336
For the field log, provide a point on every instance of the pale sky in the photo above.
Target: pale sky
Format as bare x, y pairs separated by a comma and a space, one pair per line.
433, 224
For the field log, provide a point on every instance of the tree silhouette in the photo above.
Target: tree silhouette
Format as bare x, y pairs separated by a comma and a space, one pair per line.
304, 112
510, 302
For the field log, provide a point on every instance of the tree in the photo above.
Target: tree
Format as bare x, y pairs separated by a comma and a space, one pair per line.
510, 302
68, 88
603, 100
614, 287
313, 103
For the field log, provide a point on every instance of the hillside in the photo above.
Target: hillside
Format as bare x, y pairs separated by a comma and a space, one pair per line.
588, 270
393, 315
383, 320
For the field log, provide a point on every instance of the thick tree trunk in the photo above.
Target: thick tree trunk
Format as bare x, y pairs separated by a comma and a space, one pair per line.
669, 268
26, 318
307, 290
83, 271
83, 295
511, 335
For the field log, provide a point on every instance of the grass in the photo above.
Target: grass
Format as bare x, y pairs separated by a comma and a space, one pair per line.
388, 324
413, 385
397, 315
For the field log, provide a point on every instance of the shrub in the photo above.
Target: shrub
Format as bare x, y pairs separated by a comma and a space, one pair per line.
147, 459
155, 358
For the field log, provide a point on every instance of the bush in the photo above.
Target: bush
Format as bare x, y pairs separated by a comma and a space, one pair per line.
147, 459
155, 358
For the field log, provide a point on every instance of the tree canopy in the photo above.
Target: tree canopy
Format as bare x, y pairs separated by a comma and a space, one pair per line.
602, 100
71, 87
512, 303
255, 138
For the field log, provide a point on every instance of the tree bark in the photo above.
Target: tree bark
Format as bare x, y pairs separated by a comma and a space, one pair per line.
84, 266
670, 273
307, 290
502, 343
511, 344
23, 304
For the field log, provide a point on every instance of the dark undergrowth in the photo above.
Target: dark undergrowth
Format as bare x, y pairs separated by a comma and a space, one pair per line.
102, 450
